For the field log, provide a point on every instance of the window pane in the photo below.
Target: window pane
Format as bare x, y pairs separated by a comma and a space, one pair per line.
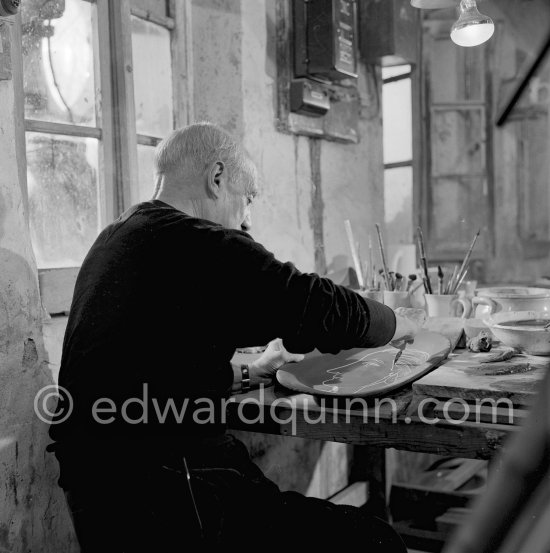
398, 204
395, 70
58, 61
63, 197
146, 168
152, 78
458, 142
397, 121
456, 74
459, 208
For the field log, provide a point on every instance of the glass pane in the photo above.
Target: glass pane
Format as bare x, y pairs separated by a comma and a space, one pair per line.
458, 212
395, 70
456, 74
152, 78
458, 142
397, 121
146, 170
398, 205
58, 61
62, 174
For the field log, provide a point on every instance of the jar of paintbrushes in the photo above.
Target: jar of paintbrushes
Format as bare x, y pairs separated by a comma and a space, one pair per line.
398, 290
444, 300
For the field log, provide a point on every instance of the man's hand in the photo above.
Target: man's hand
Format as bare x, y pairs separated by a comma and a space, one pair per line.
405, 331
275, 356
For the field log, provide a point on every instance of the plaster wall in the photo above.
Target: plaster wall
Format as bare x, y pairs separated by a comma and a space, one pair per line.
33, 515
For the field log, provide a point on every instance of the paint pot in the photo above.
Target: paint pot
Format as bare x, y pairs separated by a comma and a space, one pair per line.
396, 299
446, 305
510, 298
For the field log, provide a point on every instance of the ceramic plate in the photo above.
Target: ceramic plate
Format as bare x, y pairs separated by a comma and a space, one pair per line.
365, 372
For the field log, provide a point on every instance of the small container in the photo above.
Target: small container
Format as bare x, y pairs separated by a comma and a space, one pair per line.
396, 299
445, 305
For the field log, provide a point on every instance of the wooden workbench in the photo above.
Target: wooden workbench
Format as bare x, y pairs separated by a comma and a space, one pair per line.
416, 418
420, 417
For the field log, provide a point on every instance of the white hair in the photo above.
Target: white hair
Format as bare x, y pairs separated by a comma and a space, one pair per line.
194, 148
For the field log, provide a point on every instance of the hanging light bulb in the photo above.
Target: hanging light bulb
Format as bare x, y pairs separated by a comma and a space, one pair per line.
472, 27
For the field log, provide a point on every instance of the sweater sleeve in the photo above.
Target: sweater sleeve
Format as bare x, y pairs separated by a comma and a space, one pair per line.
267, 299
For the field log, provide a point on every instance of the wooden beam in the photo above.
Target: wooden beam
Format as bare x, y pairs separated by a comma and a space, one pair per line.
125, 143
108, 209
398, 164
157, 19
19, 102
396, 78
145, 140
32, 125
181, 44
292, 416
503, 116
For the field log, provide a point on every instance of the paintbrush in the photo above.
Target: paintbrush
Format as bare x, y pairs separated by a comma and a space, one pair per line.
372, 268
439, 280
450, 284
424, 261
412, 278
400, 347
354, 254
383, 256
459, 282
467, 258
392, 280
362, 265
398, 281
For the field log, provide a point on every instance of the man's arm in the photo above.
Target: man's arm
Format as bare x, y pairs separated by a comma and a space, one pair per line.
263, 298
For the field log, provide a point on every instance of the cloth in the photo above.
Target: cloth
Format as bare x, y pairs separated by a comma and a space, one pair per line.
160, 304
121, 502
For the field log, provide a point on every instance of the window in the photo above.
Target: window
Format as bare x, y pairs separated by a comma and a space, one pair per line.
63, 124
97, 81
398, 157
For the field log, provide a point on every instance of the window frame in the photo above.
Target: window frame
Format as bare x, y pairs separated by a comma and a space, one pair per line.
115, 116
412, 75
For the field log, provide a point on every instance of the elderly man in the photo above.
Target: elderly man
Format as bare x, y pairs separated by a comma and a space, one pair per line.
163, 298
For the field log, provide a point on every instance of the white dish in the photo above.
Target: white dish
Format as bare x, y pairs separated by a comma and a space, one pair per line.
523, 330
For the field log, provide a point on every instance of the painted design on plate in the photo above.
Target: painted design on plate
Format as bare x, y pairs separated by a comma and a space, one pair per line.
371, 361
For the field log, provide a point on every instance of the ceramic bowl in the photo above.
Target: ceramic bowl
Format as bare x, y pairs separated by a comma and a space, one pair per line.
523, 330
510, 298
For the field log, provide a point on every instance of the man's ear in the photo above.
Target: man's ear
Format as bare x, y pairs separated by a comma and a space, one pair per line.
216, 179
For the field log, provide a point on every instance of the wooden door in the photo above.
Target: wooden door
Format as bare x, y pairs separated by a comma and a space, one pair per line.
456, 147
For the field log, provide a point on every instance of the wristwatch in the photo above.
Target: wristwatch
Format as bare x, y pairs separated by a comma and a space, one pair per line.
245, 379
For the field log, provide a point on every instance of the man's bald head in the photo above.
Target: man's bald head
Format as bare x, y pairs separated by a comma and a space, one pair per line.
190, 151
202, 170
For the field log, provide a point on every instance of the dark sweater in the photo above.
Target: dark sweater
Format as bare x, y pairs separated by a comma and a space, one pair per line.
163, 299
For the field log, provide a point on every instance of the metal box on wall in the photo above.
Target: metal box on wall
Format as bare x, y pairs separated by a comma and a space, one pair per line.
389, 31
325, 39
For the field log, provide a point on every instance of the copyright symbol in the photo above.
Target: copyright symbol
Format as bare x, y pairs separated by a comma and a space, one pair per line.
43, 403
